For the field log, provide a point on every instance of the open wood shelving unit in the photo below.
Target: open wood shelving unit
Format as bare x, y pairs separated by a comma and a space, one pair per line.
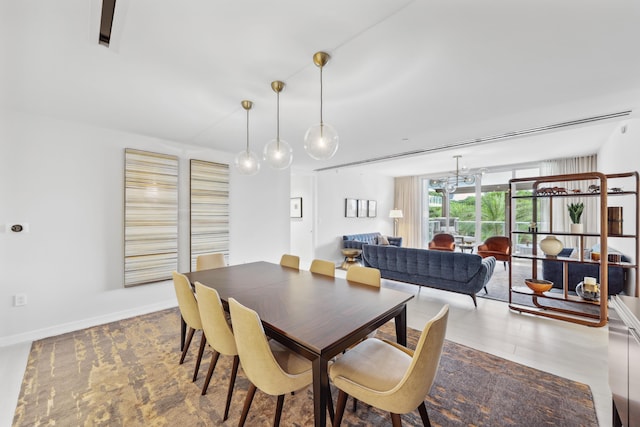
575, 311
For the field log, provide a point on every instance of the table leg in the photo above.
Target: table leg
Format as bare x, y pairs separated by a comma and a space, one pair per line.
401, 326
320, 390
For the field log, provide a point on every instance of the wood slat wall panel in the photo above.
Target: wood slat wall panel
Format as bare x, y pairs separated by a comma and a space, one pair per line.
151, 217
209, 200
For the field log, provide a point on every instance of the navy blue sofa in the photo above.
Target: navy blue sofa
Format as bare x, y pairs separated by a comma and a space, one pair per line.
552, 271
356, 241
450, 271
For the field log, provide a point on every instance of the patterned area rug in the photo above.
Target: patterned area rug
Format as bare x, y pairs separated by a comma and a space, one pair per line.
126, 373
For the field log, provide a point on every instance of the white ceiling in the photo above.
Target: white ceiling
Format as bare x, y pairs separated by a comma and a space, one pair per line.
404, 75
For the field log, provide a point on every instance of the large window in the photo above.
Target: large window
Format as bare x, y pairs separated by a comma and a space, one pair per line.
473, 212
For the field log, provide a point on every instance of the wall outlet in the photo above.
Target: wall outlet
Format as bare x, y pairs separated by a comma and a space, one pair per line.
19, 300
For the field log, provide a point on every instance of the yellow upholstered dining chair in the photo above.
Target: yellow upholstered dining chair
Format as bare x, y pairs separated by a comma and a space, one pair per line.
389, 376
268, 365
209, 261
219, 336
320, 266
291, 261
189, 311
367, 276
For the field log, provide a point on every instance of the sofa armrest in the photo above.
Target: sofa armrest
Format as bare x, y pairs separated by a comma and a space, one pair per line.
395, 241
352, 244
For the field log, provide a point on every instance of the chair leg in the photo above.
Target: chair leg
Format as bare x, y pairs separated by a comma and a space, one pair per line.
473, 297
395, 420
505, 265
187, 344
232, 381
485, 290
340, 404
332, 414
203, 344
424, 415
212, 366
247, 404
279, 405
355, 404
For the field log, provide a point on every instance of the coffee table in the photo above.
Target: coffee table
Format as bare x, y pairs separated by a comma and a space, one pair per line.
316, 316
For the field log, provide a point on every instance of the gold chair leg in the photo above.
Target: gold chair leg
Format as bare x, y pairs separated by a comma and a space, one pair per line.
212, 366
424, 415
186, 345
232, 381
340, 404
247, 404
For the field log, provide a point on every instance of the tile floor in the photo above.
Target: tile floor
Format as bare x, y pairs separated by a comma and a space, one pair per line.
572, 351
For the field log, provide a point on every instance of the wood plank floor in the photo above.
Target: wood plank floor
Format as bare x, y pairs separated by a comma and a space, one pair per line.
564, 349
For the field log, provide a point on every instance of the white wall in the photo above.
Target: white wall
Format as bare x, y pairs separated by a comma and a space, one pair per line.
621, 153
302, 228
66, 181
332, 188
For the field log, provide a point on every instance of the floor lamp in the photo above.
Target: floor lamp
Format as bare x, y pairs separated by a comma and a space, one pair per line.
395, 214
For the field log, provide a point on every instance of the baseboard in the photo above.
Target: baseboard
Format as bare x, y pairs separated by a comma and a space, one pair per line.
84, 323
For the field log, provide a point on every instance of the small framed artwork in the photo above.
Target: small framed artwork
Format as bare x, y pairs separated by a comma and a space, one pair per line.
296, 207
373, 208
350, 208
362, 208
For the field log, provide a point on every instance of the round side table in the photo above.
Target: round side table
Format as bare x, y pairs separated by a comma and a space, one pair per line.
350, 257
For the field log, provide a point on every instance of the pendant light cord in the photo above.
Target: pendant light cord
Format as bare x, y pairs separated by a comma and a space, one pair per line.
321, 122
247, 132
278, 121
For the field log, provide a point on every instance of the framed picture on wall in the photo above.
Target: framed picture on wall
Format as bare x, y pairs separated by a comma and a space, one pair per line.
362, 208
296, 207
350, 208
373, 208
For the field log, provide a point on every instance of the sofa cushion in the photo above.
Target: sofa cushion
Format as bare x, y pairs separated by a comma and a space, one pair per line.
382, 240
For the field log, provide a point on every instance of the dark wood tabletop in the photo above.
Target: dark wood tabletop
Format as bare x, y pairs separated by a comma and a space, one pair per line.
314, 315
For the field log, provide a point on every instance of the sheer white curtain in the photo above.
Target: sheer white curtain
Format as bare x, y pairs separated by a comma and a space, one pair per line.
591, 215
407, 198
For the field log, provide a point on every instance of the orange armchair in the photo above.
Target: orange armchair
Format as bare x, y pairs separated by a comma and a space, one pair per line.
443, 242
498, 247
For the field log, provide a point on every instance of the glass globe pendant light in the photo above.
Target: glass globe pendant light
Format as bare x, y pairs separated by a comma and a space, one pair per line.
247, 161
277, 153
321, 140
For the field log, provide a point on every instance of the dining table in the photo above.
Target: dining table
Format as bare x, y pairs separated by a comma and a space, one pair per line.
315, 315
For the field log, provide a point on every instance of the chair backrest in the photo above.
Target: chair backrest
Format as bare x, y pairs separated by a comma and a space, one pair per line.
186, 301
443, 242
320, 266
500, 244
365, 275
214, 322
258, 362
417, 381
208, 261
291, 261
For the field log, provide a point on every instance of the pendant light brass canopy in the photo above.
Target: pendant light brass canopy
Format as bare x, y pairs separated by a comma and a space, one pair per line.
321, 140
247, 161
277, 153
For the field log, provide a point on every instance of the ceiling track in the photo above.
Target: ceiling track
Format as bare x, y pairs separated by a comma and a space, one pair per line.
484, 140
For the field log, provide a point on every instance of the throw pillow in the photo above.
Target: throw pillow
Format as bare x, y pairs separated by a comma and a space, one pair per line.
382, 240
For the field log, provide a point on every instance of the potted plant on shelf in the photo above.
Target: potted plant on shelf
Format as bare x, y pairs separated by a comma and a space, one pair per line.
575, 212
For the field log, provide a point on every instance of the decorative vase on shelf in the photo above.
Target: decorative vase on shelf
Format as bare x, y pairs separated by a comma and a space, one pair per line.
577, 229
551, 246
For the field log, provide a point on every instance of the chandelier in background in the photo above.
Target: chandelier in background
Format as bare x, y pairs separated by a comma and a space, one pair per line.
463, 177
247, 161
321, 140
277, 153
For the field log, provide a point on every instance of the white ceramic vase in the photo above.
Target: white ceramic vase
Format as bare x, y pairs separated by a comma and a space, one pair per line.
576, 229
551, 246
